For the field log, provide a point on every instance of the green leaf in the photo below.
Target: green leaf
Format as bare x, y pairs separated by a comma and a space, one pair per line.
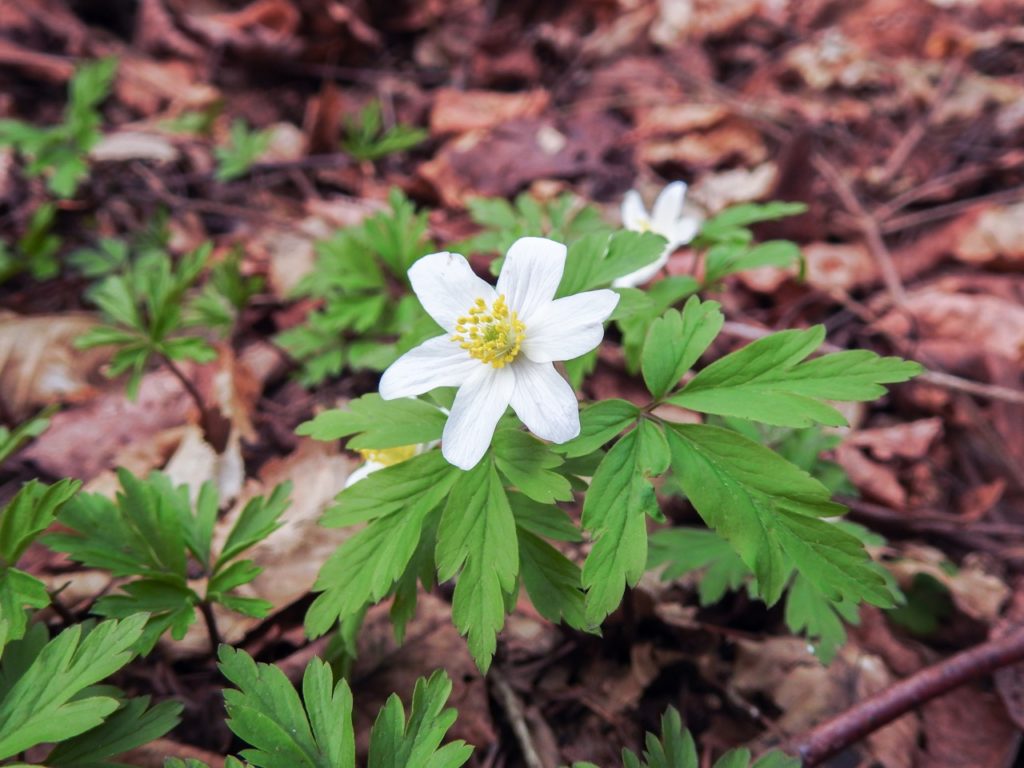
395, 742
769, 510
683, 550
365, 568
810, 612
12, 439
477, 534
527, 463
614, 512
552, 581
599, 423
49, 701
243, 149
545, 520
422, 481
766, 381
675, 748
260, 517
28, 514
724, 225
133, 725
676, 340
266, 712
596, 259
382, 423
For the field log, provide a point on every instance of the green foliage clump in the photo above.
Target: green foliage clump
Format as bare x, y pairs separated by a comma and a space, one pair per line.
60, 152
676, 749
153, 534
243, 149
50, 694
366, 138
22, 521
368, 314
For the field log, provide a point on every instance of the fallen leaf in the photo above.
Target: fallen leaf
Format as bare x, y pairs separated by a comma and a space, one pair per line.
874, 480
908, 440
997, 233
456, 111
122, 146
39, 364
975, 593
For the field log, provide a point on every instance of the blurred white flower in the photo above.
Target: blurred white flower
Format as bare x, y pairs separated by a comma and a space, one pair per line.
500, 345
667, 219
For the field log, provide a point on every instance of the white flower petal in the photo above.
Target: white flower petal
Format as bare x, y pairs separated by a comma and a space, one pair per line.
645, 272
362, 472
545, 402
531, 273
481, 401
634, 215
446, 286
437, 362
569, 327
684, 231
668, 207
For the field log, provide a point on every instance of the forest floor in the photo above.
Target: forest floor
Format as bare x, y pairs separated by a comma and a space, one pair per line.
900, 123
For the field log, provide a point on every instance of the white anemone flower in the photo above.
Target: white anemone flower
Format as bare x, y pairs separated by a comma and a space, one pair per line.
667, 219
500, 345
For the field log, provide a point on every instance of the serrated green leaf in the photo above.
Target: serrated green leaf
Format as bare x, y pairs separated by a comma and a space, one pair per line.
131, 726
615, 511
423, 480
28, 514
260, 517
683, 550
40, 706
365, 568
766, 381
599, 423
769, 510
552, 581
598, 258
676, 340
381, 423
545, 520
395, 742
477, 539
527, 463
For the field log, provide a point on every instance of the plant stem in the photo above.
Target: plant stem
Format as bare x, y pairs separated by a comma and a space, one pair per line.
186, 383
867, 716
211, 626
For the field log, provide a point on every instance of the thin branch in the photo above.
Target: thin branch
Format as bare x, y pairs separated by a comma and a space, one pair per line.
846, 728
513, 709
211, 627
868, 226
186, 382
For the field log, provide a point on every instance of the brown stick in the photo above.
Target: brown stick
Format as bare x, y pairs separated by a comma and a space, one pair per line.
848, 727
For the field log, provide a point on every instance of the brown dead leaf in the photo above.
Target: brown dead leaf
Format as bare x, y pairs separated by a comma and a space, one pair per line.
874, 480
122, 146
457, 111
997, 233
968, 728
979, 500
908, 440
39, 364
261, 26
83, 441
731, 141
966, 323
842, 267
716, 191
975, 593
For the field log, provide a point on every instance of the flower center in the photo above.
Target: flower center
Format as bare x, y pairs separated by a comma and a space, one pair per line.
491, 335
389, 456
644, 225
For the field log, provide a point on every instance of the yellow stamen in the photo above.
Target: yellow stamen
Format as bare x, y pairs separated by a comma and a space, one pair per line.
492, 335
388, 456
